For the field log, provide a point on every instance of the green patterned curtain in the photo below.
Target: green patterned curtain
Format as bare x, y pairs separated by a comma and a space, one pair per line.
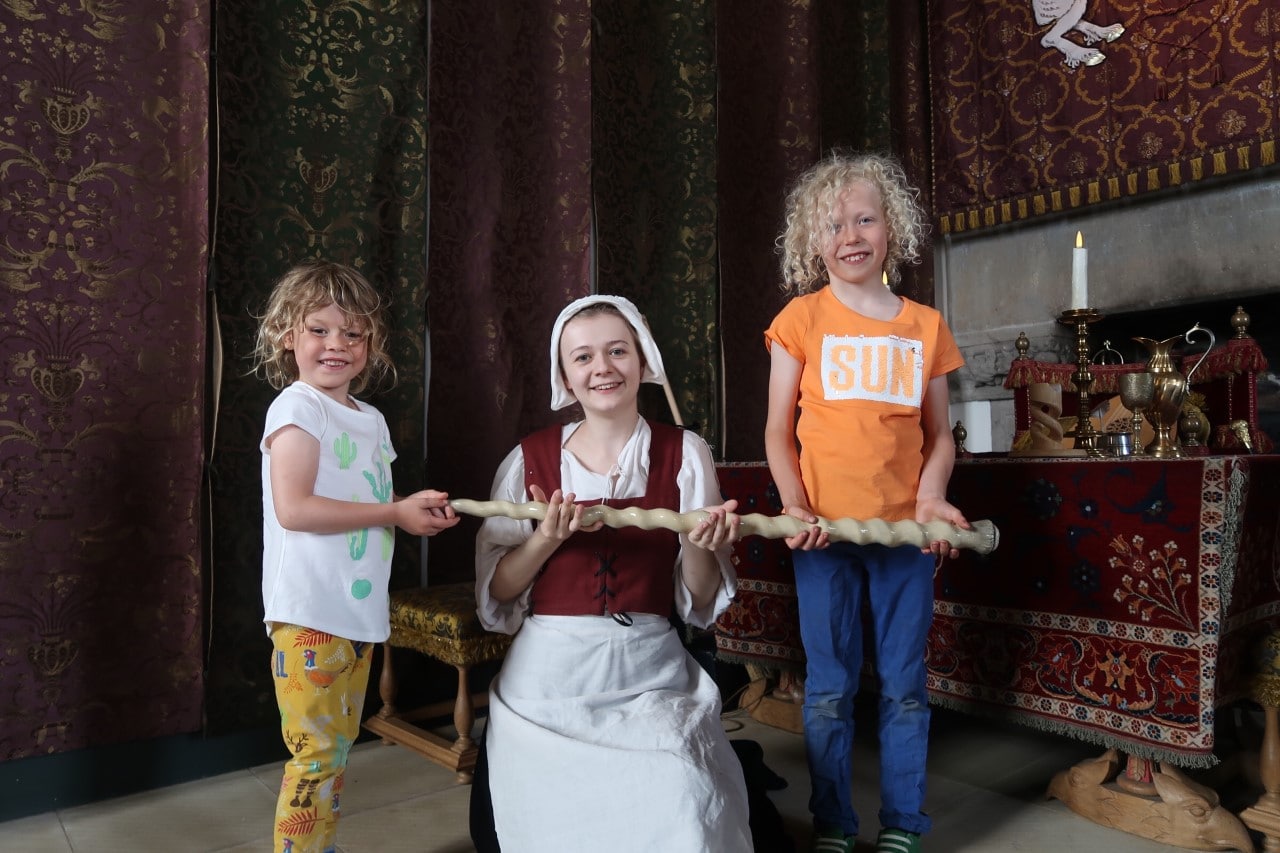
654, 187
322, 154
853, 68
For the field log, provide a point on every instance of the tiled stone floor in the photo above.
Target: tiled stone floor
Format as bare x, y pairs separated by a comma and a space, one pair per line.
986, 795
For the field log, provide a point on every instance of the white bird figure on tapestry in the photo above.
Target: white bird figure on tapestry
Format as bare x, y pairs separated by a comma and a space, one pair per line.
1067, 15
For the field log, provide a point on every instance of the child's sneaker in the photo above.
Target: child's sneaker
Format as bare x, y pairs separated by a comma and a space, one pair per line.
831, 841
897, 841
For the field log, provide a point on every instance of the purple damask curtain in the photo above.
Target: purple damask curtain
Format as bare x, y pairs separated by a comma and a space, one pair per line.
796, 80
510, 97
766, 59
103, 211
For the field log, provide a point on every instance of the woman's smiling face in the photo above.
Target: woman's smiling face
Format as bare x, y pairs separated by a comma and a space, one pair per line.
601, 362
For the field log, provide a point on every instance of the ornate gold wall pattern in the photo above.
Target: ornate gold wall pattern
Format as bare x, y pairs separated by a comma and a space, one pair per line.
102, 253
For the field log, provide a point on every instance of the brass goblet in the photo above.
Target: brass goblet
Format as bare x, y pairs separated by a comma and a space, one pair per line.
1136, 393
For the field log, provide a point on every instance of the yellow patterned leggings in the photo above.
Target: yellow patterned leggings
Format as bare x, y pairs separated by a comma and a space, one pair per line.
320, 684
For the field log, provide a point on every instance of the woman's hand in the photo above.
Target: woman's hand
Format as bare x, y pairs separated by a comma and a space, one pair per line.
811, 538
720, 527
563, 518
929, 509
518, 567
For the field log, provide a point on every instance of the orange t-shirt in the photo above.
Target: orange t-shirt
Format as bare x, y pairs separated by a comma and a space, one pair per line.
862, 385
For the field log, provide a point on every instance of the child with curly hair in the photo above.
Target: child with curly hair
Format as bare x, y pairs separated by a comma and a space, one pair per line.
868, 371
328, 520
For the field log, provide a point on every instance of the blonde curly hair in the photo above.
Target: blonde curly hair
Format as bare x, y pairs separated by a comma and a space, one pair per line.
313, 286
811, 205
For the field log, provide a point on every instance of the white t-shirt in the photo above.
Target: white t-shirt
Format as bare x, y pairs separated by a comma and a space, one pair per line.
332, 582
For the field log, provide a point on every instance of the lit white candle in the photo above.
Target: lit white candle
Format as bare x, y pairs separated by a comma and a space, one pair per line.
1080, 274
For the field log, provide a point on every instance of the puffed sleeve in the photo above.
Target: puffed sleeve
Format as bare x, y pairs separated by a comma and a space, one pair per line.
497, 536
700, 488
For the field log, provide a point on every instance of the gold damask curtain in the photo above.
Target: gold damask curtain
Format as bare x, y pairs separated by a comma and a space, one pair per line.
103, 215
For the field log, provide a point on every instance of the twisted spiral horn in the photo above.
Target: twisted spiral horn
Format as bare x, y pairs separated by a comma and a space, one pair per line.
983, 538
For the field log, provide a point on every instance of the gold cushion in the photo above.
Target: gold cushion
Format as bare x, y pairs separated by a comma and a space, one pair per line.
441, 621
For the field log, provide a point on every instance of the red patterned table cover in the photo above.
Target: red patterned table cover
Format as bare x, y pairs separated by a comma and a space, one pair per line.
762, 625
1121, 608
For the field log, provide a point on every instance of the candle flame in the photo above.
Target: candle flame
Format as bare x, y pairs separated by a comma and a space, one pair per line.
1079, 240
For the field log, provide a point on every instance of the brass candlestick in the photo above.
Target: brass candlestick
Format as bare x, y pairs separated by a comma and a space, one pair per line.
1082, 377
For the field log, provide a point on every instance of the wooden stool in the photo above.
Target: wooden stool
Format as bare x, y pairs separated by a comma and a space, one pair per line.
440, 622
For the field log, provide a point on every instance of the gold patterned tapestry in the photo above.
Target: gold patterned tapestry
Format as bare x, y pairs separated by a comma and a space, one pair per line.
103, 224
1038, 109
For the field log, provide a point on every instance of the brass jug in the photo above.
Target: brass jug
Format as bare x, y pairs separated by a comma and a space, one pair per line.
1170, 391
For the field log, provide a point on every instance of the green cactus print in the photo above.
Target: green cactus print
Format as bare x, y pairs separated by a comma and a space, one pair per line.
345, 449
381, 483
357, 540
381, 487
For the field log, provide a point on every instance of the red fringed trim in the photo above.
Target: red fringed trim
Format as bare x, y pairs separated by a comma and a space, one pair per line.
1024, 372
1238, 355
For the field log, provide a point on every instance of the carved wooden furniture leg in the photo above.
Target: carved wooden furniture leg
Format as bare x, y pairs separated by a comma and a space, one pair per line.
1264, 815
1184, 813
439, 622
387, 689
464, 715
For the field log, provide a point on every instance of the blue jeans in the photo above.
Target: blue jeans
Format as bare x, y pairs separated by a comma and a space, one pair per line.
898, 585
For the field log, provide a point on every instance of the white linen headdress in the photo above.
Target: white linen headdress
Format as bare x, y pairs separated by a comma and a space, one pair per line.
561, 397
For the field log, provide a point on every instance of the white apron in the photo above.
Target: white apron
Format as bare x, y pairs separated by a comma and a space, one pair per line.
605, 737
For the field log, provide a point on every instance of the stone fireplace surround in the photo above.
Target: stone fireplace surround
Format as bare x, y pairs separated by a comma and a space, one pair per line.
1156, 267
